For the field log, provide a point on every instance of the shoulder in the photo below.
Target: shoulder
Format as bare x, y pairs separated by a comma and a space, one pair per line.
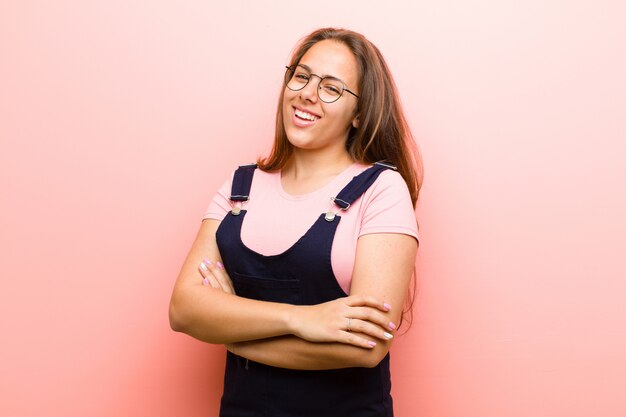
393, 178
251, 169
387, 206
389, 184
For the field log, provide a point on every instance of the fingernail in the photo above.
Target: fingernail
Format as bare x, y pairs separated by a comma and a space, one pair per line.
387, 306
371, 343
392, 326
220, 266
203, 266
207, 262
205, 282
388, 335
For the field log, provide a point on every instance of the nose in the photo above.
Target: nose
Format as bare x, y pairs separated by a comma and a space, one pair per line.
309, 92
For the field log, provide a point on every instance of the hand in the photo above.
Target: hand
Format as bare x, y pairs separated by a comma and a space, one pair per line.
352, 320
216, 276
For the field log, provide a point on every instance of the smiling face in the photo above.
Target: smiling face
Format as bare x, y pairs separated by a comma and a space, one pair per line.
310, 123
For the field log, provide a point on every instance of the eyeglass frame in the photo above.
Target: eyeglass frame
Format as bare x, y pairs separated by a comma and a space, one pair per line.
292, 68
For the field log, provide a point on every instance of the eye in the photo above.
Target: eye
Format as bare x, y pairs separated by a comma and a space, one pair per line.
301, 76
332, 89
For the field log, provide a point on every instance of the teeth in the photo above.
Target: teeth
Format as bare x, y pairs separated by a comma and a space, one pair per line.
305, 115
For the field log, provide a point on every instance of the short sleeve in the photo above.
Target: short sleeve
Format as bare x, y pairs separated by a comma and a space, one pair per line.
220, 204
388, 207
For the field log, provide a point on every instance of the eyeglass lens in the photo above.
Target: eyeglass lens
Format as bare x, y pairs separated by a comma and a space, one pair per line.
329, 89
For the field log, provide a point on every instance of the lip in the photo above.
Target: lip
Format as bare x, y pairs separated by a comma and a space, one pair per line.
298, 122
306, 110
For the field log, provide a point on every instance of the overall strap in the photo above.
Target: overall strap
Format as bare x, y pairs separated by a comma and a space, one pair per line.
359, 185
242, 180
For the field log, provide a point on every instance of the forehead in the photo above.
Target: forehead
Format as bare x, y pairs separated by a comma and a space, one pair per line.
333, 58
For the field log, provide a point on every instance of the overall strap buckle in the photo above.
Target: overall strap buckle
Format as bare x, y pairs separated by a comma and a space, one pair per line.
344, 205
356, 187
240, 190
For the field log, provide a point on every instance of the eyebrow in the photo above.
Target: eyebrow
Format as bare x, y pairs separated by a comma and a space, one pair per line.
306, 67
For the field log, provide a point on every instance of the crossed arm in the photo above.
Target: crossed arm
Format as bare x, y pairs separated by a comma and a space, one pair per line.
297, 337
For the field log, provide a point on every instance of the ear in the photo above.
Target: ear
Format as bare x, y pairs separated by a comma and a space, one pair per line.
355, 122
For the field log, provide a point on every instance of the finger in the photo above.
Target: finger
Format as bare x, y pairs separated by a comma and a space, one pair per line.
226, 277
217, 269
373, 316
366, 327
207, 275
357, 340
216, 282
368, 300
219, 273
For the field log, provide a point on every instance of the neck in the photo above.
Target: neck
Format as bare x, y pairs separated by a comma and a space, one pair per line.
305, 164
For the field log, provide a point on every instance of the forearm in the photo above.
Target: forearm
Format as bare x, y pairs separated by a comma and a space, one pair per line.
295, 353
214, 316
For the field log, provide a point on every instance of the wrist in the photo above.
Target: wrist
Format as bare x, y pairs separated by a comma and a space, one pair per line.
291, 318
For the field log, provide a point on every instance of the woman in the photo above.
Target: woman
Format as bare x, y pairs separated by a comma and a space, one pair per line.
307, 313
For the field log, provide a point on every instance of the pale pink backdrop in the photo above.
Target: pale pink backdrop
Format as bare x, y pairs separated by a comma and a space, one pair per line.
119, 119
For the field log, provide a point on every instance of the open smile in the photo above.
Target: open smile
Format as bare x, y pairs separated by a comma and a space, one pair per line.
304, 115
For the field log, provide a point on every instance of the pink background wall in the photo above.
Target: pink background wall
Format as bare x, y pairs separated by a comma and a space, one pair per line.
119, 119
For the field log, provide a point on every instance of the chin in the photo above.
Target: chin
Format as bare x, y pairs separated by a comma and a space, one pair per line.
301, 144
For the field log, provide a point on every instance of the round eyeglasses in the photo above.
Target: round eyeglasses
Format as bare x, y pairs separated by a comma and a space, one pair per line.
329, 90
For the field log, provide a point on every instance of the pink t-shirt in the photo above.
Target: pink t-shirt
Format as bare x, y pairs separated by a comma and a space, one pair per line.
276, 220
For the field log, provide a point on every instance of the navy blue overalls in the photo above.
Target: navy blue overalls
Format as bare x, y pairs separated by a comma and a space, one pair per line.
301, 275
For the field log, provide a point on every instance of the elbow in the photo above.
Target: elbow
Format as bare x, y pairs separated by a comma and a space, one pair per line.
373, 357
181, 312
371, 361
185, 319
177, 318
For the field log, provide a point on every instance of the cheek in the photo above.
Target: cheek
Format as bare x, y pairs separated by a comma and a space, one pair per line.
344, 117
285, 107
288, 97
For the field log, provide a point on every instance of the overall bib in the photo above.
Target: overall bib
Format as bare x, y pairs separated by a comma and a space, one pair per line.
300, 275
